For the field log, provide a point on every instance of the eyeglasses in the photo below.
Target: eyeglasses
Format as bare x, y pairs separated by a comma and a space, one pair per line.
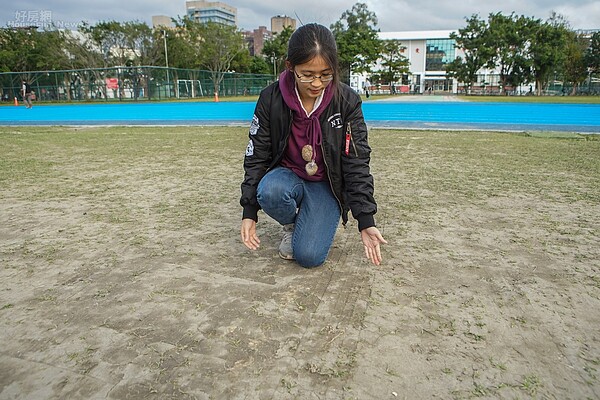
309, 78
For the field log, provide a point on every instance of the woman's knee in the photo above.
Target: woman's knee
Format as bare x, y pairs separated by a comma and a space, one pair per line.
268, 188
272, 186
308, 258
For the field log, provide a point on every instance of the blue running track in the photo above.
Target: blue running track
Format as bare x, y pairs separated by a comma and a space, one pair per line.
405, 114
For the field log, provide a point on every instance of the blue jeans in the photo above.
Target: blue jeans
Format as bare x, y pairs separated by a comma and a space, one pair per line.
311, 206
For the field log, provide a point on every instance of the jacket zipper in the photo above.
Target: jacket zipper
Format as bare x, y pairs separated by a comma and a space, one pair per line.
348, 138
352, 140
331, 186
289, 130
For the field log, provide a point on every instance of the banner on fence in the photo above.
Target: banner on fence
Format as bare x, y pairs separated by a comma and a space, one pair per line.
112, 83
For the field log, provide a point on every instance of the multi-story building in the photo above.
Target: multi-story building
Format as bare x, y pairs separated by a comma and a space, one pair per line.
279, 22
427, 53
256, 39
211, 11
162, 21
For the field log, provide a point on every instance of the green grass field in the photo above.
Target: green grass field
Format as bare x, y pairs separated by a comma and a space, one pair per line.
39, 152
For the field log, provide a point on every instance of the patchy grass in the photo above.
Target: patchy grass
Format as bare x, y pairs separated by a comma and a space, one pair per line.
128, 237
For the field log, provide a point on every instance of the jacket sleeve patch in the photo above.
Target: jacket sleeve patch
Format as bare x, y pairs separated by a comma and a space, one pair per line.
255, 125
250, 148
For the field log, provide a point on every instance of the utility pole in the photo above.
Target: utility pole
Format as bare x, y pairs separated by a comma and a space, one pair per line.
164, 32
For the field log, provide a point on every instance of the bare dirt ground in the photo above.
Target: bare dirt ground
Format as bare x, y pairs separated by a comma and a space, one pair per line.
123, 276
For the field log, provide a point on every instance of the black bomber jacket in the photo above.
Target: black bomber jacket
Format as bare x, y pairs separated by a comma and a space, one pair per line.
345, 148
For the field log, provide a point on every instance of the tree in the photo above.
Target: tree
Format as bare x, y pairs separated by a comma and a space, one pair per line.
127, 43
460, 70
357, 40
143, 44
109, 44
393, 62
547, 50
473, 40
185, 44
242, 61
106, 37
575, 66
275, 49
259, 65
592, 54
28, 49
48, 52
220, 45
510, 37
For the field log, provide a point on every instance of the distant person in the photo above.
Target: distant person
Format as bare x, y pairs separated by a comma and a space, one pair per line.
307, 161
26, 92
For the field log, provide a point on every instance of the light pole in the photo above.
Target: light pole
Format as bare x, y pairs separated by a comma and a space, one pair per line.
484, 81
164, 32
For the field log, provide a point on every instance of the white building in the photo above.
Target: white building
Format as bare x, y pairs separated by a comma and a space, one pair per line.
427, 53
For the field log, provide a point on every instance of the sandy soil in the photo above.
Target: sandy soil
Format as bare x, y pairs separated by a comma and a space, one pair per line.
124, 278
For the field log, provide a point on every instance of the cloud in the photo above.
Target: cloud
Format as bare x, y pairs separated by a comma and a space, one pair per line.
582, 16
431, 15
393, 15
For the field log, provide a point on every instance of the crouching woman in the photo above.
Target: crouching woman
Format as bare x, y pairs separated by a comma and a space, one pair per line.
307, 161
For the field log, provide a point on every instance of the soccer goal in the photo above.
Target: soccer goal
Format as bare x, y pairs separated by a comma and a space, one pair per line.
189, 88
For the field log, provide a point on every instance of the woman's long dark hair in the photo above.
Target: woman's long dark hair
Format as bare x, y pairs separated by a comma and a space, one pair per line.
313, 40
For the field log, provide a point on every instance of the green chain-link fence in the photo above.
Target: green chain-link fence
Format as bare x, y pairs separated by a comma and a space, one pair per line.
129, 83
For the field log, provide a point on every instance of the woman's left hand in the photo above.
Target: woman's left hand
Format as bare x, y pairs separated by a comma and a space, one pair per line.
371, 238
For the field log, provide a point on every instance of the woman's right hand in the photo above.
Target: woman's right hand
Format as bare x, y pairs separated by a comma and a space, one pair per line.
249, 237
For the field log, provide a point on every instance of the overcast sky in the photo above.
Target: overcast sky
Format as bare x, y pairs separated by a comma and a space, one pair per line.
393, 15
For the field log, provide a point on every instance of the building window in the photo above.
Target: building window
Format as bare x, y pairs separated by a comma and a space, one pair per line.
439, 53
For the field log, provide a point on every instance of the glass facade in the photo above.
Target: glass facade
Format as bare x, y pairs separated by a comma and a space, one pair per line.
212, 15
439, 53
